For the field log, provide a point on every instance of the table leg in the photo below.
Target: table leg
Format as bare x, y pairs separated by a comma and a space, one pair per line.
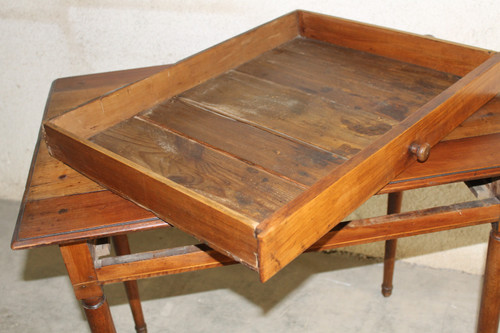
80, 265
122, 247
489, 312
393, 206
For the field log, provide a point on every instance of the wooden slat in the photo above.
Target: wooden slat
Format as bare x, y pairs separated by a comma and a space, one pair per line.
298, 225
290, 159
157, 263
289, 112
410, 224
196, 257
385, 73
126, 102
421, 50
224, 179
351, 78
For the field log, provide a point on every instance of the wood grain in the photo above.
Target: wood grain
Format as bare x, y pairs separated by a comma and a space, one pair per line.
286, 158
200, 216
289, 112
230, 182
80, 217
420, 50
350, 78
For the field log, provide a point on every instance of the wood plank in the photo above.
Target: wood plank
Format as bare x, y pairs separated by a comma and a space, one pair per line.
126, 102
192, 213
289, 159
416, 49
298, 225
451, 161
386, 73
68, 93
197, 257
79, 217
289, 112
351, 78
224, 179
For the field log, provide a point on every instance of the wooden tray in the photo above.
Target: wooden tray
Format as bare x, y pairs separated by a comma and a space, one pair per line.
260, 145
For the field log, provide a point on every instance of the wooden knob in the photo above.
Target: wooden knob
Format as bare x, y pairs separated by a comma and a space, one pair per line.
422, 151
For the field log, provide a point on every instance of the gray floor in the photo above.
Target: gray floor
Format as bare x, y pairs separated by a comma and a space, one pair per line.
317, 293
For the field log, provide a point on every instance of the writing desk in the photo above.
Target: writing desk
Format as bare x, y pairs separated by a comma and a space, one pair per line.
60, 206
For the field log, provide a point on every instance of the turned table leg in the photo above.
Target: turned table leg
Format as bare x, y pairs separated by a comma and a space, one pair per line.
80, 265
393, 207
489, 312
122, 247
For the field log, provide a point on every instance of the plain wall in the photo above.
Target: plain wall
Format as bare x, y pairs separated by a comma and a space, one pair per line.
45, 40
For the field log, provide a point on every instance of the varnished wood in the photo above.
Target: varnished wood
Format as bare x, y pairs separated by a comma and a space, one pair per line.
161, 262
98, 315
394, 201
192, 212
421, 151
80, 266
122, 247
489, 313
483, 122
349, 78
80, 217
422, 50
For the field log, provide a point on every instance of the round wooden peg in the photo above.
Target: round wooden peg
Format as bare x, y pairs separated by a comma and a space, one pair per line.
422, 151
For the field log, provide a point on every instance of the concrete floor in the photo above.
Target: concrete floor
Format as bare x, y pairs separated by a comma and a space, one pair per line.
318, 292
